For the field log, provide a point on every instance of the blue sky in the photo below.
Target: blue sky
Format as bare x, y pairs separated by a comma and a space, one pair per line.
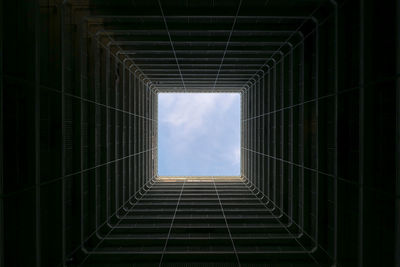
198, 134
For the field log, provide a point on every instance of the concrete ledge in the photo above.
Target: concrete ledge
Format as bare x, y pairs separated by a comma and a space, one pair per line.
199, 179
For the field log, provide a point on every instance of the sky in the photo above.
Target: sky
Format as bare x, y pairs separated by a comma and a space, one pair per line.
198, 134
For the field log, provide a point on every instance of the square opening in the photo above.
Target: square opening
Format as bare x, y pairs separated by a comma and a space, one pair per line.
199, 134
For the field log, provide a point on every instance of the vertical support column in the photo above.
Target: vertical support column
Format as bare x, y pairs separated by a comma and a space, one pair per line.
257, 133
139, 135
63, 158
291, 136
361, 139
273, 114
124, 143
1, 143
151, 109
247, 133
316, 69
152, 141
117, 160
153, 134
97, 161
335, 122
301, 139
149, 121
397, 204
268, 139
149, 134
247, 144
108, 171
148, 152
142, 136
367, 135
262, 129
130, 152
107, 130
147, 101
83, 149
37, 132
253, 133
135, 133
282, 132
125, 140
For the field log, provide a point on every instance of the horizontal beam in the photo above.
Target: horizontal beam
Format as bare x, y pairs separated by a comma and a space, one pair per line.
203, 42
152, 32
161, 39
203, 72
209, 69
207, 26
197, 51
162, 79
198, 65
298, 10
199, 58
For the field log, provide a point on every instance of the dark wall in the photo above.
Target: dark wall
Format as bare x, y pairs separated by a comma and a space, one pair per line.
320, 134
78, 127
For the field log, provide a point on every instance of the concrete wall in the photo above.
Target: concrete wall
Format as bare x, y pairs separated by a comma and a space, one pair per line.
319, 134
77, 127
319, 131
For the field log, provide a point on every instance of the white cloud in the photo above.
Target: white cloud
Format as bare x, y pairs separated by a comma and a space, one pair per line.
184, 109
189, 111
